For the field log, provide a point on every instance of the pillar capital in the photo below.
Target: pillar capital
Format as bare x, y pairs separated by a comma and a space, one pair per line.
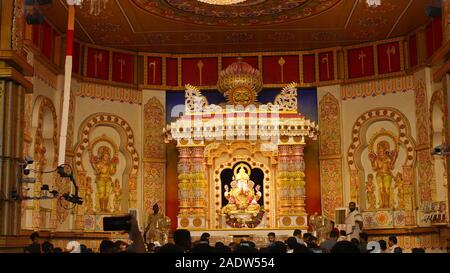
14, 67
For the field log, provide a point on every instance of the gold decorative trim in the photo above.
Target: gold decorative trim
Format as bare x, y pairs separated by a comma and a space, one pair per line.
111, 93
377, 87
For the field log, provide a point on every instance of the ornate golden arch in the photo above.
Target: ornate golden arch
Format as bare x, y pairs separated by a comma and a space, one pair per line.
254, 165
126, 133
359, 142
42, 104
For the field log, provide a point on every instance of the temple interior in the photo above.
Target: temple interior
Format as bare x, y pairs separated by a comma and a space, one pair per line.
236, 118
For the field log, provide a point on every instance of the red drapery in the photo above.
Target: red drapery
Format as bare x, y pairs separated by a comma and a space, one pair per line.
280, 69
437, 32
172, 72
37, 35
76, 58
360, 62
389, 58
123, 67
200, 71
154, 70
309, 68
326, 66
47, 41
98, 63
429, 40
412, 45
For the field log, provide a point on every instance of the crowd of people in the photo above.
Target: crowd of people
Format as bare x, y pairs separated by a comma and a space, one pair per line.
337, 242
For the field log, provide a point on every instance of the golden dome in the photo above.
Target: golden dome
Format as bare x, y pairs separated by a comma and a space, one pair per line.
240, 83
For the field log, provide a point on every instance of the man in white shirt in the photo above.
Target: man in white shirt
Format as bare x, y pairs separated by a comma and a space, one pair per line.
393, 247
73, 247
353, 222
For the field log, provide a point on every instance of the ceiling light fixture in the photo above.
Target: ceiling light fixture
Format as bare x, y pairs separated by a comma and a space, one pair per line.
96, 6
222, 2
373, 3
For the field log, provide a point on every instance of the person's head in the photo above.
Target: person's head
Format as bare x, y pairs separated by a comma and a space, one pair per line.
298, 233
107, 246
202, 248
354, 241
344, 247
271, 237
363, 237
307, 237
392, 240
155, 208
182, 238
301, 248
278, 247
121, 246
233, 246
34, 237
244, 247
205, 237
333, 235
398, 250
342, 233
221, 248
83, 248
352, 206
418, 250
57, 250
332, 224
291, 242
169, 248
219, 244
47, 247
383, 245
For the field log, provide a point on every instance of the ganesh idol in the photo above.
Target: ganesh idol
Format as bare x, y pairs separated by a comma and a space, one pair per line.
243, 196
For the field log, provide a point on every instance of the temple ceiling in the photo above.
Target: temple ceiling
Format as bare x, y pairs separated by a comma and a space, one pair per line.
190, 26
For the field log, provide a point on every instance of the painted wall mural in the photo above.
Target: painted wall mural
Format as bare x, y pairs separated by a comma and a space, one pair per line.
381, 163
107, 165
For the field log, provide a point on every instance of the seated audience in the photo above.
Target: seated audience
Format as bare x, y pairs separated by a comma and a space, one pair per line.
35, 246
330, 242
47, 247
344, 247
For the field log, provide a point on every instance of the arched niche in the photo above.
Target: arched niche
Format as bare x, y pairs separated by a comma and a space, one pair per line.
44, 124
437, 137
87, 144
367, 132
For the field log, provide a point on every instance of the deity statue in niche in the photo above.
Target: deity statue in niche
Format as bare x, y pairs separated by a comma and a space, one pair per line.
370, 192
104, 166
399, 183
88, 204
243, 195
117, 195
383, 163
